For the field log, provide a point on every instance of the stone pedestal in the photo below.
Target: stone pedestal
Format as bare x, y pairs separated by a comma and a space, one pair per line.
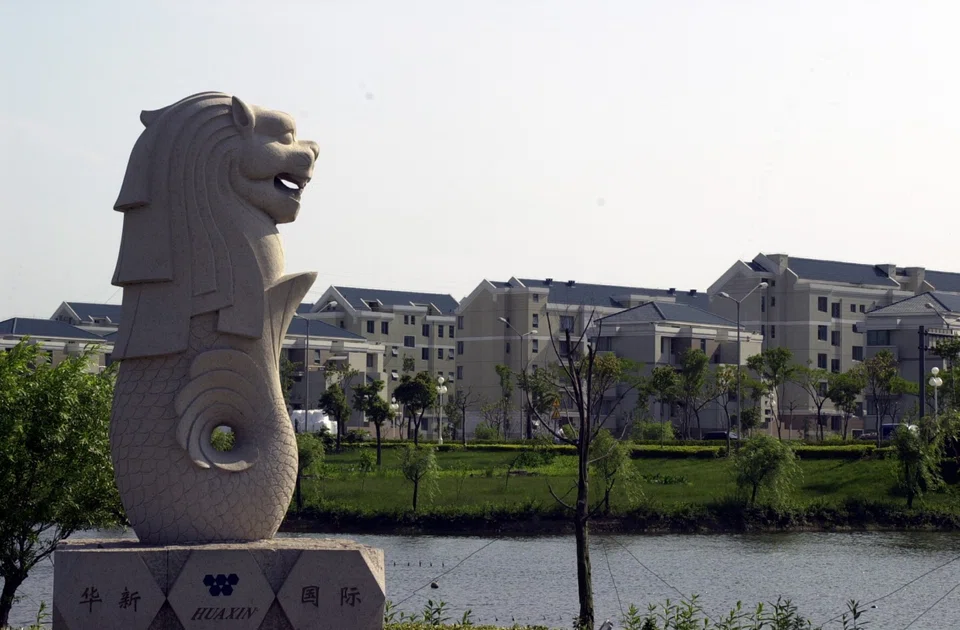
280, 584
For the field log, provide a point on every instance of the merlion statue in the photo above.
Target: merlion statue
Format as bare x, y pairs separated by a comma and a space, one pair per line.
205, 309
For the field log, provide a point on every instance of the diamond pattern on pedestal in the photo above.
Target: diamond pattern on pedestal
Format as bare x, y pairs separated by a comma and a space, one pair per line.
108, 591
220, 589
333, 590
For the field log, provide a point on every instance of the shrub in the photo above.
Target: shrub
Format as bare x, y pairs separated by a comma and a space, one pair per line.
310, 451
356, 436
675, 452
653, 431
222, 440
484, 431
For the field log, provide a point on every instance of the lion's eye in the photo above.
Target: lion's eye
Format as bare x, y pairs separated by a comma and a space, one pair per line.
287, 138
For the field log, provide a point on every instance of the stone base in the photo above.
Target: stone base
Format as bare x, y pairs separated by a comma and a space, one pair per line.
280, 584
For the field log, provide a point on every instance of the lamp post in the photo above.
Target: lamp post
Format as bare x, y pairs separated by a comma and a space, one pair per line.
724, 294
523, 370
441, 390
935, 382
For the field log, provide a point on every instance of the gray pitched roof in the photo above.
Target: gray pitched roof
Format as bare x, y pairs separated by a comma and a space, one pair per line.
586, 294
943, 280
357, 297
304, 307
45, 328
944, 302
298, 328
834, 271
667, 312
86, 311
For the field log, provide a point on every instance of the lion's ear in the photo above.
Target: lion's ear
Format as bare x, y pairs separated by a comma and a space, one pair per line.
242, 115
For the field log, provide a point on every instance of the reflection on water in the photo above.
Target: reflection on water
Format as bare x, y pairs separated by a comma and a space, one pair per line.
533, 580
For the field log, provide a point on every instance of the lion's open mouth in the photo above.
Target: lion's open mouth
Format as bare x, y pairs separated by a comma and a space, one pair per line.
290, 184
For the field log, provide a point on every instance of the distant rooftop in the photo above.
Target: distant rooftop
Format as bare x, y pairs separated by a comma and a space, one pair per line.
835, 271
943, 280
298, 328
667, 312
87, 311
45, 329
580, 293
943, 302
359, 298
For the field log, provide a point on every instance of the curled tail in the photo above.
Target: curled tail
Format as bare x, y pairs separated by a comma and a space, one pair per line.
225, 389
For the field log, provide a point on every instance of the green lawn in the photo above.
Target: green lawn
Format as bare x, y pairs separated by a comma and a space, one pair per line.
473, 480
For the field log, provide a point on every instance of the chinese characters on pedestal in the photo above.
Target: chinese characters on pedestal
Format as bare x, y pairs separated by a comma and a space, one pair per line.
90, 597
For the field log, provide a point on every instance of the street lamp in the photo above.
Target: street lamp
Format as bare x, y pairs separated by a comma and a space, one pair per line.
523, 369
441, 390
724, 294
935, 382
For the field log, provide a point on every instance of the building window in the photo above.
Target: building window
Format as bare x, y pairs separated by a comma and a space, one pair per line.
370, 360
703, 345
835, 309
534, 368
450, 353
459, 372
822, 304
406, 319
451, 331
822, 388
822, 333
440, 331
863, 308
342, 324
425, 330
834, 423
535, 346
393, 351
773, 332
425, 354
459, 347
536, 297
834, 337
370, 326
413, 320
878, 337
822, 361
566, 323
536, 321
858, 353
506, 347
853, 308
763, 330
834, 365
773, 301
460, 322
763, 304
385, 328
409, 341
564, 348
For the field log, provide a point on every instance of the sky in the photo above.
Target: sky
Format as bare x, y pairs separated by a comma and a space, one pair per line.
634, 142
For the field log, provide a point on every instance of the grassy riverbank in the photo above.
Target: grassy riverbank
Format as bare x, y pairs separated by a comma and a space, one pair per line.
484, 491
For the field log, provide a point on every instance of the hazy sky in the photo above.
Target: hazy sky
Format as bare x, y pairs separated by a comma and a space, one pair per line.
633, 142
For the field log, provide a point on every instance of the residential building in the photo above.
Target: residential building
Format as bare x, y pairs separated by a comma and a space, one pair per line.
523, 323
815, 308
658, 333
100, 319
903, 328
400, 324
57, 338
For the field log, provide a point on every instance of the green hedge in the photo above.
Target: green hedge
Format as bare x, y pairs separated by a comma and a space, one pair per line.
430, 626
843, 451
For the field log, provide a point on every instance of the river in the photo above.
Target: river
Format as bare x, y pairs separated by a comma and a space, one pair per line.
533, 580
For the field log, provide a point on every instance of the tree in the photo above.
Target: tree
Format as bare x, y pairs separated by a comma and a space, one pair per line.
417, 394
333, 402
949, 351
419, 467
763, 462
843, 389
919, 449
367, 400
541, 398
506, 393
456, 409
55, 470
815, 382
884, 386
592, 385
724, 386
611, 463
288, 372
664, 387
775, 368
692, 391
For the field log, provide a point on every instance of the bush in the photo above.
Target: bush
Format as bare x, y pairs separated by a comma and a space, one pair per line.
653, 432
310, 451
222, 440
356, 436
675, 452
765, 462
484, 431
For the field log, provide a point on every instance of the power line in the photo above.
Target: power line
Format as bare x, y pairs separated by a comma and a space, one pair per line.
606, 556
651, 571
929, 608
411, 595
897, 590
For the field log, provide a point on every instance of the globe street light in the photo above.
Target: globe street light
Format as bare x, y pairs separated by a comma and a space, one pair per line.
395, 407
441, 390
935, 382
724, 294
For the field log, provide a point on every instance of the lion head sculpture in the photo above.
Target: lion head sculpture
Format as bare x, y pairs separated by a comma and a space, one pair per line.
207, 182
